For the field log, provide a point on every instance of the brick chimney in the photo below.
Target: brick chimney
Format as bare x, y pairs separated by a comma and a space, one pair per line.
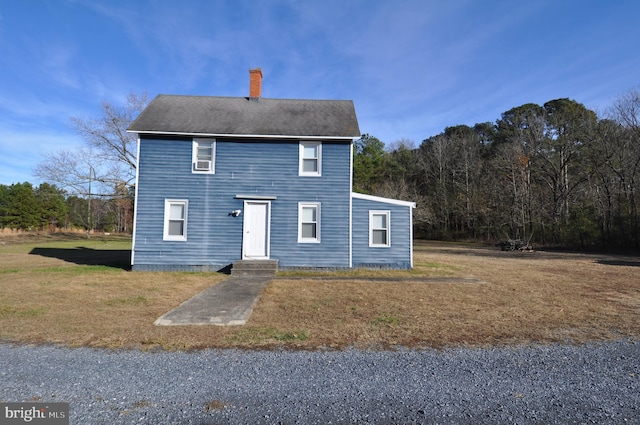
255, 83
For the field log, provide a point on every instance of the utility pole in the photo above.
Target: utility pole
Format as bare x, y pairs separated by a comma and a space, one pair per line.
91, 173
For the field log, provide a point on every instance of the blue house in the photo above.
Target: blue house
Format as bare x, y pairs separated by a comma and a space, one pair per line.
222, 179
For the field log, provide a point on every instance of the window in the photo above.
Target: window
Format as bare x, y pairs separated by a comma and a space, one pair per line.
379, 228
308, 222
204, 156
310, 159
175, 220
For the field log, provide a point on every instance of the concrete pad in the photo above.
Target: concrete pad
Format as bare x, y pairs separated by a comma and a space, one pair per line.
226, 304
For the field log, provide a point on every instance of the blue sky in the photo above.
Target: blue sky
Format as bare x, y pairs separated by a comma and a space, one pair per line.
412, 68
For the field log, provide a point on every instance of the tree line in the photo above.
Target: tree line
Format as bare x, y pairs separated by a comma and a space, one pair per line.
49, 208
93, 185
552, 174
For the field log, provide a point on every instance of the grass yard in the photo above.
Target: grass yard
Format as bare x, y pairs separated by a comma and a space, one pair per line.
65, 289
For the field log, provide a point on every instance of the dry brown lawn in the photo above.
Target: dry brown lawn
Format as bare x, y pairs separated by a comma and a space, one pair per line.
70, 291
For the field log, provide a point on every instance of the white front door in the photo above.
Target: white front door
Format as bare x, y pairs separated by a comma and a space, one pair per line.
255, 239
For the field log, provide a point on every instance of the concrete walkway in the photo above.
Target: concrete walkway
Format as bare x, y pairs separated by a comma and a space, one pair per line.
228, 303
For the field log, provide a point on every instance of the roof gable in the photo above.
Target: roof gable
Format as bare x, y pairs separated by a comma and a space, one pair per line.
211, 115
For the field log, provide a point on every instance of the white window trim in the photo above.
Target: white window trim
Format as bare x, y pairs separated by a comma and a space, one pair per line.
167, 206
301, 158
194, 156
387, 213
302, 205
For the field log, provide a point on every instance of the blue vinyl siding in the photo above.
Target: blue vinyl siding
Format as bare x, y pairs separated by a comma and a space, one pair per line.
398, 255
243, 167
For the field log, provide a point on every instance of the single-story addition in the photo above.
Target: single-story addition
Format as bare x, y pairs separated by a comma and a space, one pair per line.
222, 179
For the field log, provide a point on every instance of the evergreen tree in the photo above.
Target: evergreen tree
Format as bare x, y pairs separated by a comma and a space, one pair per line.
20, 209
52, 205
368, 164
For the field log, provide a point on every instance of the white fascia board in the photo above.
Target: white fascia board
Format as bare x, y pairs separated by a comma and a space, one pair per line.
135, 203
248, 136
384, 200
351, 206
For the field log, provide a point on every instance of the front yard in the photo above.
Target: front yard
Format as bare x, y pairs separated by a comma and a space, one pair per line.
77, 292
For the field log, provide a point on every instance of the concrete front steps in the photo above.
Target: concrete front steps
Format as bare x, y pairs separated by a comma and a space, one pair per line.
249, 268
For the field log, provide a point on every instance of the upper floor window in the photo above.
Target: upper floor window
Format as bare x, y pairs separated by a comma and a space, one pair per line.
175, 220
310, 159
309, 222
204, 156
379, 228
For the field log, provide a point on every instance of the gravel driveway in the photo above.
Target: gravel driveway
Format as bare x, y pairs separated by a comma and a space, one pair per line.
560, 384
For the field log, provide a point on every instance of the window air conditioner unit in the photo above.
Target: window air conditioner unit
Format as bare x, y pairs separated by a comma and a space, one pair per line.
203, 165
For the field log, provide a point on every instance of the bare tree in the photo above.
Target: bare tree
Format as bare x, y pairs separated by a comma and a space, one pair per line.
106, 165
79, 173
109, 154
626, 162
626, 110
71, 170
520, 131
434, 160
107, 136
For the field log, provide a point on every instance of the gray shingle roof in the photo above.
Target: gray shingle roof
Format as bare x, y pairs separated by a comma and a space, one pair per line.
248, 116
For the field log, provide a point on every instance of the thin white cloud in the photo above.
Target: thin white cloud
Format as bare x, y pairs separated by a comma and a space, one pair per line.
22, 150
412, 67
57, 62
